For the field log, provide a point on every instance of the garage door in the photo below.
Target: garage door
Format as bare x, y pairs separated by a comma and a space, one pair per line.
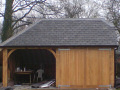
85, 68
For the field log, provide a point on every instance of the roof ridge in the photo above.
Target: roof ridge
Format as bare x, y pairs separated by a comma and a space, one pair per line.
102, 19
73, 19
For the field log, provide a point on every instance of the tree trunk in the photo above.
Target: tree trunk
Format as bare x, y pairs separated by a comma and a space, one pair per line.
7, 31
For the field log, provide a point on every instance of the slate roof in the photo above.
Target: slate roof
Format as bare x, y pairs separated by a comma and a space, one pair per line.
66, 32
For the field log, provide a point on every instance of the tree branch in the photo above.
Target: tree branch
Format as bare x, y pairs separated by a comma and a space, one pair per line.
28, 4
23, 16
2, 14
17, 3
21, 25
23, 7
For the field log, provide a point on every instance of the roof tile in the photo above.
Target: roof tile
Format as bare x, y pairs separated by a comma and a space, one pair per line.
62, 32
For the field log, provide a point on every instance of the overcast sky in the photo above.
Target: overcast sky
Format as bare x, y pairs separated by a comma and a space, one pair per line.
3, 4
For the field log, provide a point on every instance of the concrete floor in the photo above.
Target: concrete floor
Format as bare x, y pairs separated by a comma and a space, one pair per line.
26, 87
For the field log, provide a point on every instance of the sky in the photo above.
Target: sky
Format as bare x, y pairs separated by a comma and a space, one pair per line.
3, 2
2, 9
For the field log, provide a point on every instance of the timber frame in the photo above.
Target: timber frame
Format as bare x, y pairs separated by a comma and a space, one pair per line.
62, 54
83, 57
6, 54
83, 49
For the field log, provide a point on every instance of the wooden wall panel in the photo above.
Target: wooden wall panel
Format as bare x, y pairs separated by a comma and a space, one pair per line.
106, 58
105, 66
71, 68
80, 64
65, 71
57, 68
85, 67
111, 67
76, 67
92, 67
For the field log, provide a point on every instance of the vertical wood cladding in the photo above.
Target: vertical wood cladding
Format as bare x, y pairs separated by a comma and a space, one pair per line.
85, 67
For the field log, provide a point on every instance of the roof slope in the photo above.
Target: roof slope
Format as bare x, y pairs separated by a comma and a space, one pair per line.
65, 32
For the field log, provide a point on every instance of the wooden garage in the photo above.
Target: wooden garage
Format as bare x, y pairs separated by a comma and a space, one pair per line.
83, 50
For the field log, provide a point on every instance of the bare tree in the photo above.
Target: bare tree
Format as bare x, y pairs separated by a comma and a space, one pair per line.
71, 9
49, 10
12, 8
80, 8
112, 7
0, 8
91, 9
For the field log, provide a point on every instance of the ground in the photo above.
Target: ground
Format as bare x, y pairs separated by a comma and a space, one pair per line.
22, 87
28, 87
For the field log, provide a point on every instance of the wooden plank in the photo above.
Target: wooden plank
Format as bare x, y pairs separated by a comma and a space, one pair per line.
57, 68
64, 69
81, 66
92, 67
84, 86
5, 68
71, 67
105, 64
67, 68
112, 67
58, 77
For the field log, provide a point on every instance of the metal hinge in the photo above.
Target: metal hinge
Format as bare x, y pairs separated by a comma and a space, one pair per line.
63, 86
110, 86
63, 49
104, 48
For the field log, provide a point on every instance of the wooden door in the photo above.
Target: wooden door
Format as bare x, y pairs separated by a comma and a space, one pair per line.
85, 68
92, 67
71, 68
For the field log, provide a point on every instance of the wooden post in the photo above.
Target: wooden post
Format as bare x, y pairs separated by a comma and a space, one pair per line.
57, 68
5, 68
